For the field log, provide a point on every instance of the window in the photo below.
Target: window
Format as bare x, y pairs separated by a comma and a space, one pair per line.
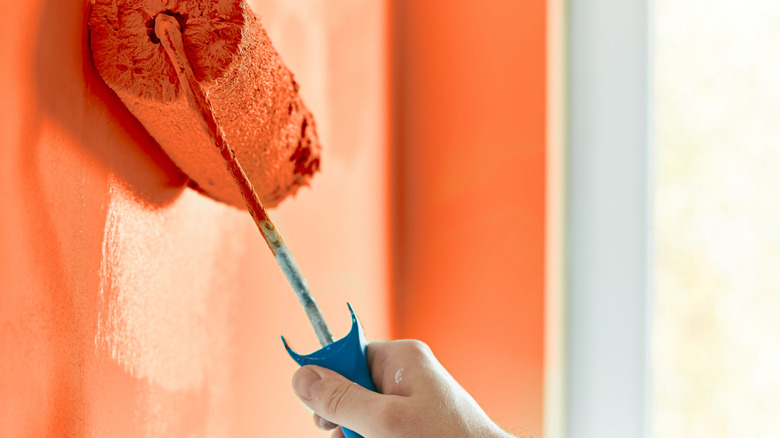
716, 322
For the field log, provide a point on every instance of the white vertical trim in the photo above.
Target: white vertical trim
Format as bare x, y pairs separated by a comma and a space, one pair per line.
607, 219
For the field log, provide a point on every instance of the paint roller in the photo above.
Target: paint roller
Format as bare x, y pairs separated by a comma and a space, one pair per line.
204, 79
253, 96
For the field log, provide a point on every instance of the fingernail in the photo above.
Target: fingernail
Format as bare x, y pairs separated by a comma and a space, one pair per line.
325, 424
305, 383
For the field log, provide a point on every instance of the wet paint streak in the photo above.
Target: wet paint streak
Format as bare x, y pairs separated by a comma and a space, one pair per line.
165, 337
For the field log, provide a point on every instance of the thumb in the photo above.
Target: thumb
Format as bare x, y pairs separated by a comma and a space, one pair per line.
337, 399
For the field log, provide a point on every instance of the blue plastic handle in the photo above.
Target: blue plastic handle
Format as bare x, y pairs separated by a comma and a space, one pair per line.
347, 356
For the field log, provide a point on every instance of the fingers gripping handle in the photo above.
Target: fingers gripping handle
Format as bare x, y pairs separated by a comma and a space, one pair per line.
347, 356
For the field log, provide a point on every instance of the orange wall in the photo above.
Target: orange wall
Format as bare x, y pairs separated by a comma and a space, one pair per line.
132, 306
469, 171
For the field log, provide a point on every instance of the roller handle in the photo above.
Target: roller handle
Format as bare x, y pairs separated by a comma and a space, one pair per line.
347, 356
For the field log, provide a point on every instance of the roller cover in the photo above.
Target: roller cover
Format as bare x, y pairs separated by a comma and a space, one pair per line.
254, 96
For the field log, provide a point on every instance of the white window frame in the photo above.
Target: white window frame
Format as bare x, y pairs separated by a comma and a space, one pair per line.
599, 219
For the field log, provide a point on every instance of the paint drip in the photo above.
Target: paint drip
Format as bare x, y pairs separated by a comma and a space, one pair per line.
254, 97
399, 376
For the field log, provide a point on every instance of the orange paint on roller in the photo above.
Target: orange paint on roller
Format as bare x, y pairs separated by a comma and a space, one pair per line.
253, 95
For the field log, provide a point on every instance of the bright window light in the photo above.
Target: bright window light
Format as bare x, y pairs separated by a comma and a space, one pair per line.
716, 322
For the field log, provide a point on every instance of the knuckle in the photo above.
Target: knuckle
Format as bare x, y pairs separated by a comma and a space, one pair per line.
419, 348
334, 401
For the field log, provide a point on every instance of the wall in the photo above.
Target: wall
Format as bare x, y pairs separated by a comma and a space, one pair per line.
129, 304
469, 83
132, 306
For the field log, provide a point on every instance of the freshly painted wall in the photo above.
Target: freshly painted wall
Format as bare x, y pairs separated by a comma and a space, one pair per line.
131, 305
469, 84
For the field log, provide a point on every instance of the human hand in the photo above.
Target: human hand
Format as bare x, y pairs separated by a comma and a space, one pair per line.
417, 397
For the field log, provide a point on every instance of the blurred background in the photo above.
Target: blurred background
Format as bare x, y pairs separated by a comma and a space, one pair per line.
573, 203
716, 323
